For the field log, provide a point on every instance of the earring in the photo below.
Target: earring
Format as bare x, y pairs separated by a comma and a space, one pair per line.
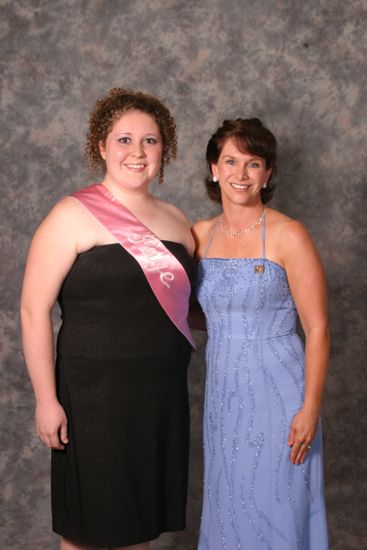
265, 184
215, 179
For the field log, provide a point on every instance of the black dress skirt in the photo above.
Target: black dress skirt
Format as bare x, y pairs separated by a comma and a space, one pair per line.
121, 374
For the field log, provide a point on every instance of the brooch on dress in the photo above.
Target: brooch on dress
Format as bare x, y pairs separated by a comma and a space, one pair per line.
259, 268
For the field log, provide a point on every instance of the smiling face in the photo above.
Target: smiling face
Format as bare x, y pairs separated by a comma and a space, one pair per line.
241, 175
132, 151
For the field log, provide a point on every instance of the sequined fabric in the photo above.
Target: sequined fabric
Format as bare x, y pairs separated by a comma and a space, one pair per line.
254, 498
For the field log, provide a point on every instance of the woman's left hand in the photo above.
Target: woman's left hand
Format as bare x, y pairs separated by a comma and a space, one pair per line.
301, 434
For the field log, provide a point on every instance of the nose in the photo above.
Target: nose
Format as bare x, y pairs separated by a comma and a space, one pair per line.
243, 171
138, 149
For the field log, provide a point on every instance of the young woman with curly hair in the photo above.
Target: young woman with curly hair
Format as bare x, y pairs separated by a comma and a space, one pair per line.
115, 409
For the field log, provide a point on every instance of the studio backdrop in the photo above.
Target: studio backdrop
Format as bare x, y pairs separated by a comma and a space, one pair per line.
300, 67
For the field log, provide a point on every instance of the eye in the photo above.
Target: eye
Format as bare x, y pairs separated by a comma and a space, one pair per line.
230, 161
124, 139
151, 140
254, 164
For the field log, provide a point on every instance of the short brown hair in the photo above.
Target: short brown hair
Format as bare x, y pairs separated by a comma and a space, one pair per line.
249, 135
108, 109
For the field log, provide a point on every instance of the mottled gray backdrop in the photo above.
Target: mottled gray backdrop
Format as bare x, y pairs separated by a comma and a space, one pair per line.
299, 65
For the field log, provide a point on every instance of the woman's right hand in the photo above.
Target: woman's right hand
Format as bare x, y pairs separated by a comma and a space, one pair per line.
51, 424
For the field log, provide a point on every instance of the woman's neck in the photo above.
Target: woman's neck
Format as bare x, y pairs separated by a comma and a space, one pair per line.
237, 216
135, 198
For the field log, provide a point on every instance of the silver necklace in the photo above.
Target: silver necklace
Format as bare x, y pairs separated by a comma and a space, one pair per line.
245, 230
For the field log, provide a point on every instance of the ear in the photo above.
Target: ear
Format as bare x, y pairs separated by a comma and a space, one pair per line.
102, 149
268, 174
214, 168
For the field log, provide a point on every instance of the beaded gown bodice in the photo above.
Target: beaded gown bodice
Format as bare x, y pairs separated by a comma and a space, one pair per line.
246, 298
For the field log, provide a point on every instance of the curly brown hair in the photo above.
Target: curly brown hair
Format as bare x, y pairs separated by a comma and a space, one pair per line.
109, 109
250, 135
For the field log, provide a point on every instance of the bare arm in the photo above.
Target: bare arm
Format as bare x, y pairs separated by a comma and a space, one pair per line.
52, 253
308, 287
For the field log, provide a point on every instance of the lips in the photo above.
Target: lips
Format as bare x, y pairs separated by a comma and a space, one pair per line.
240, 187
135, 166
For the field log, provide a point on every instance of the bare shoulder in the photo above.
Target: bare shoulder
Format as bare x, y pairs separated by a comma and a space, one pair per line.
60, 216
202, 227
172, 210
66, 225
173, 224
288, 231
54, 245
66, 209
201, 231
275, 218
291, 238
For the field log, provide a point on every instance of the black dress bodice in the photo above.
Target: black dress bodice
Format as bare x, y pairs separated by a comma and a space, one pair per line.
109, 310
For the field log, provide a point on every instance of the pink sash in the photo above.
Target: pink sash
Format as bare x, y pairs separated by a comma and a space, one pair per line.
165, 274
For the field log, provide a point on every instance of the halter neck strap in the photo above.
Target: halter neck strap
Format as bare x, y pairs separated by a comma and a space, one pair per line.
263, 235
211, 237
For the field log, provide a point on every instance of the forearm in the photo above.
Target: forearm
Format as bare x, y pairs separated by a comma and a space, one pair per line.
317, 358
37, 336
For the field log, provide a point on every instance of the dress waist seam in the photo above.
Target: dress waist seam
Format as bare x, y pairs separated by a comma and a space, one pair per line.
261, 337
146, 355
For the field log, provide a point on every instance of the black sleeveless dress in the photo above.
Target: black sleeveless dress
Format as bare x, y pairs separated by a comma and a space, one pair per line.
121, 377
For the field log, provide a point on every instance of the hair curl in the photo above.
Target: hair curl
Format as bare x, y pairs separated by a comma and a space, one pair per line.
250, 135
109, 109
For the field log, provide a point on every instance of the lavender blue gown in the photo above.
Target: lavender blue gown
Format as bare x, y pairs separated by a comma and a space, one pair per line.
254, 498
